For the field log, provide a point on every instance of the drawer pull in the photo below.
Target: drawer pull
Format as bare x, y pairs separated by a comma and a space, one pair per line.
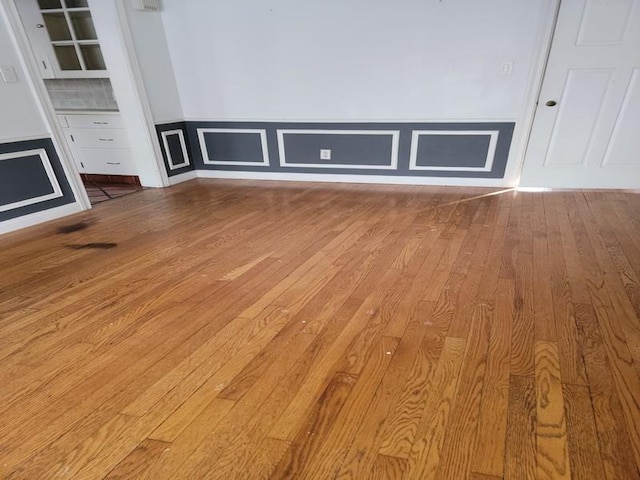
113, 163
106, 139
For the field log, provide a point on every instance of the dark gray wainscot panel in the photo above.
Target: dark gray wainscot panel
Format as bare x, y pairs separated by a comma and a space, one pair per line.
477, 150
363, 149
31, 178
233, 146
176, 148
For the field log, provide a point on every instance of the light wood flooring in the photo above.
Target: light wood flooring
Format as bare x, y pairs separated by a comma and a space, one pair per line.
244, 330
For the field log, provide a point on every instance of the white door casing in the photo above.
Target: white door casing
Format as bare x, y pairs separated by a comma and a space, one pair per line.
590, 138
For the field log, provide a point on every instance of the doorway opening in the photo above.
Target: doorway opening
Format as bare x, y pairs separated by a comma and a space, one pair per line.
63, 39
101, 188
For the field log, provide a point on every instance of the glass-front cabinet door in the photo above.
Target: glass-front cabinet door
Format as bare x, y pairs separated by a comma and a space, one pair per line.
63, 38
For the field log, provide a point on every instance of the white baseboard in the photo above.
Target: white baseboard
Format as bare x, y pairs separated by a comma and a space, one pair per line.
183, 177
39, 217
337, 178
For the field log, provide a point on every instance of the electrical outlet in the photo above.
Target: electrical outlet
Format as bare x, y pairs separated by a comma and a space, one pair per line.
506, 68
325, 154
8, 74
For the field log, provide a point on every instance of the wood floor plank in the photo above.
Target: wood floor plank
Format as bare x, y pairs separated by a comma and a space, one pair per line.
627, 319
259, 426
488, 458
573, 259
552, 449
520, 455
191, 435
571, 361
402, 423
199, 463
388, 468
424, 456
461, 434
362, 451
584, 452
316, 427
508, 260
624, 375
613, 435
542, 289
492, 265
466, 304
482, 476
139, 460
287, 426
333, 448
523, 328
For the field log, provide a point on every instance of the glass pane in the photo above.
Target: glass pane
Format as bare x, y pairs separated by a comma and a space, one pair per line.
83, 25
49, 4
67, 57
76, 3
92, 57
57, 26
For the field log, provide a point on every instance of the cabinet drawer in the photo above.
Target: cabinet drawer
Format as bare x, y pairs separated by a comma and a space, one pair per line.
94, 121
106, 162
100, 138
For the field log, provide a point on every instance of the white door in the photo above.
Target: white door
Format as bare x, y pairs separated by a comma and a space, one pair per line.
586, 131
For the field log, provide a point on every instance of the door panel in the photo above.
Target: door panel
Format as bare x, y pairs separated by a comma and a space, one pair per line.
604, 22
586, 129
576, 119
624, 145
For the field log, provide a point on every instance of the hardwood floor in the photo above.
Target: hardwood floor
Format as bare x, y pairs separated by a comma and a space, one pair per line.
242, 330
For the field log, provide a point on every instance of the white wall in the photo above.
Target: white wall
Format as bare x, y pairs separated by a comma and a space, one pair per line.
150, 43
353, 59
19, 114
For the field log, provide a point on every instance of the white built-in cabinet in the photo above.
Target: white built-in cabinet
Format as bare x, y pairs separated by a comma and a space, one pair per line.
63, 38
99, 143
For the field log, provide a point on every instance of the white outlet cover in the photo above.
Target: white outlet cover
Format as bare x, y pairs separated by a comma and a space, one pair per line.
506, 68
8, 74
325, 154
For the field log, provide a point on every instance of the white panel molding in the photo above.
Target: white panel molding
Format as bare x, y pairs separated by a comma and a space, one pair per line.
599, 27
488, 164
205, 153
44, 136
631, 133
592, 108
39, 217
342, 178
48, 168
395, 142
183, 147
